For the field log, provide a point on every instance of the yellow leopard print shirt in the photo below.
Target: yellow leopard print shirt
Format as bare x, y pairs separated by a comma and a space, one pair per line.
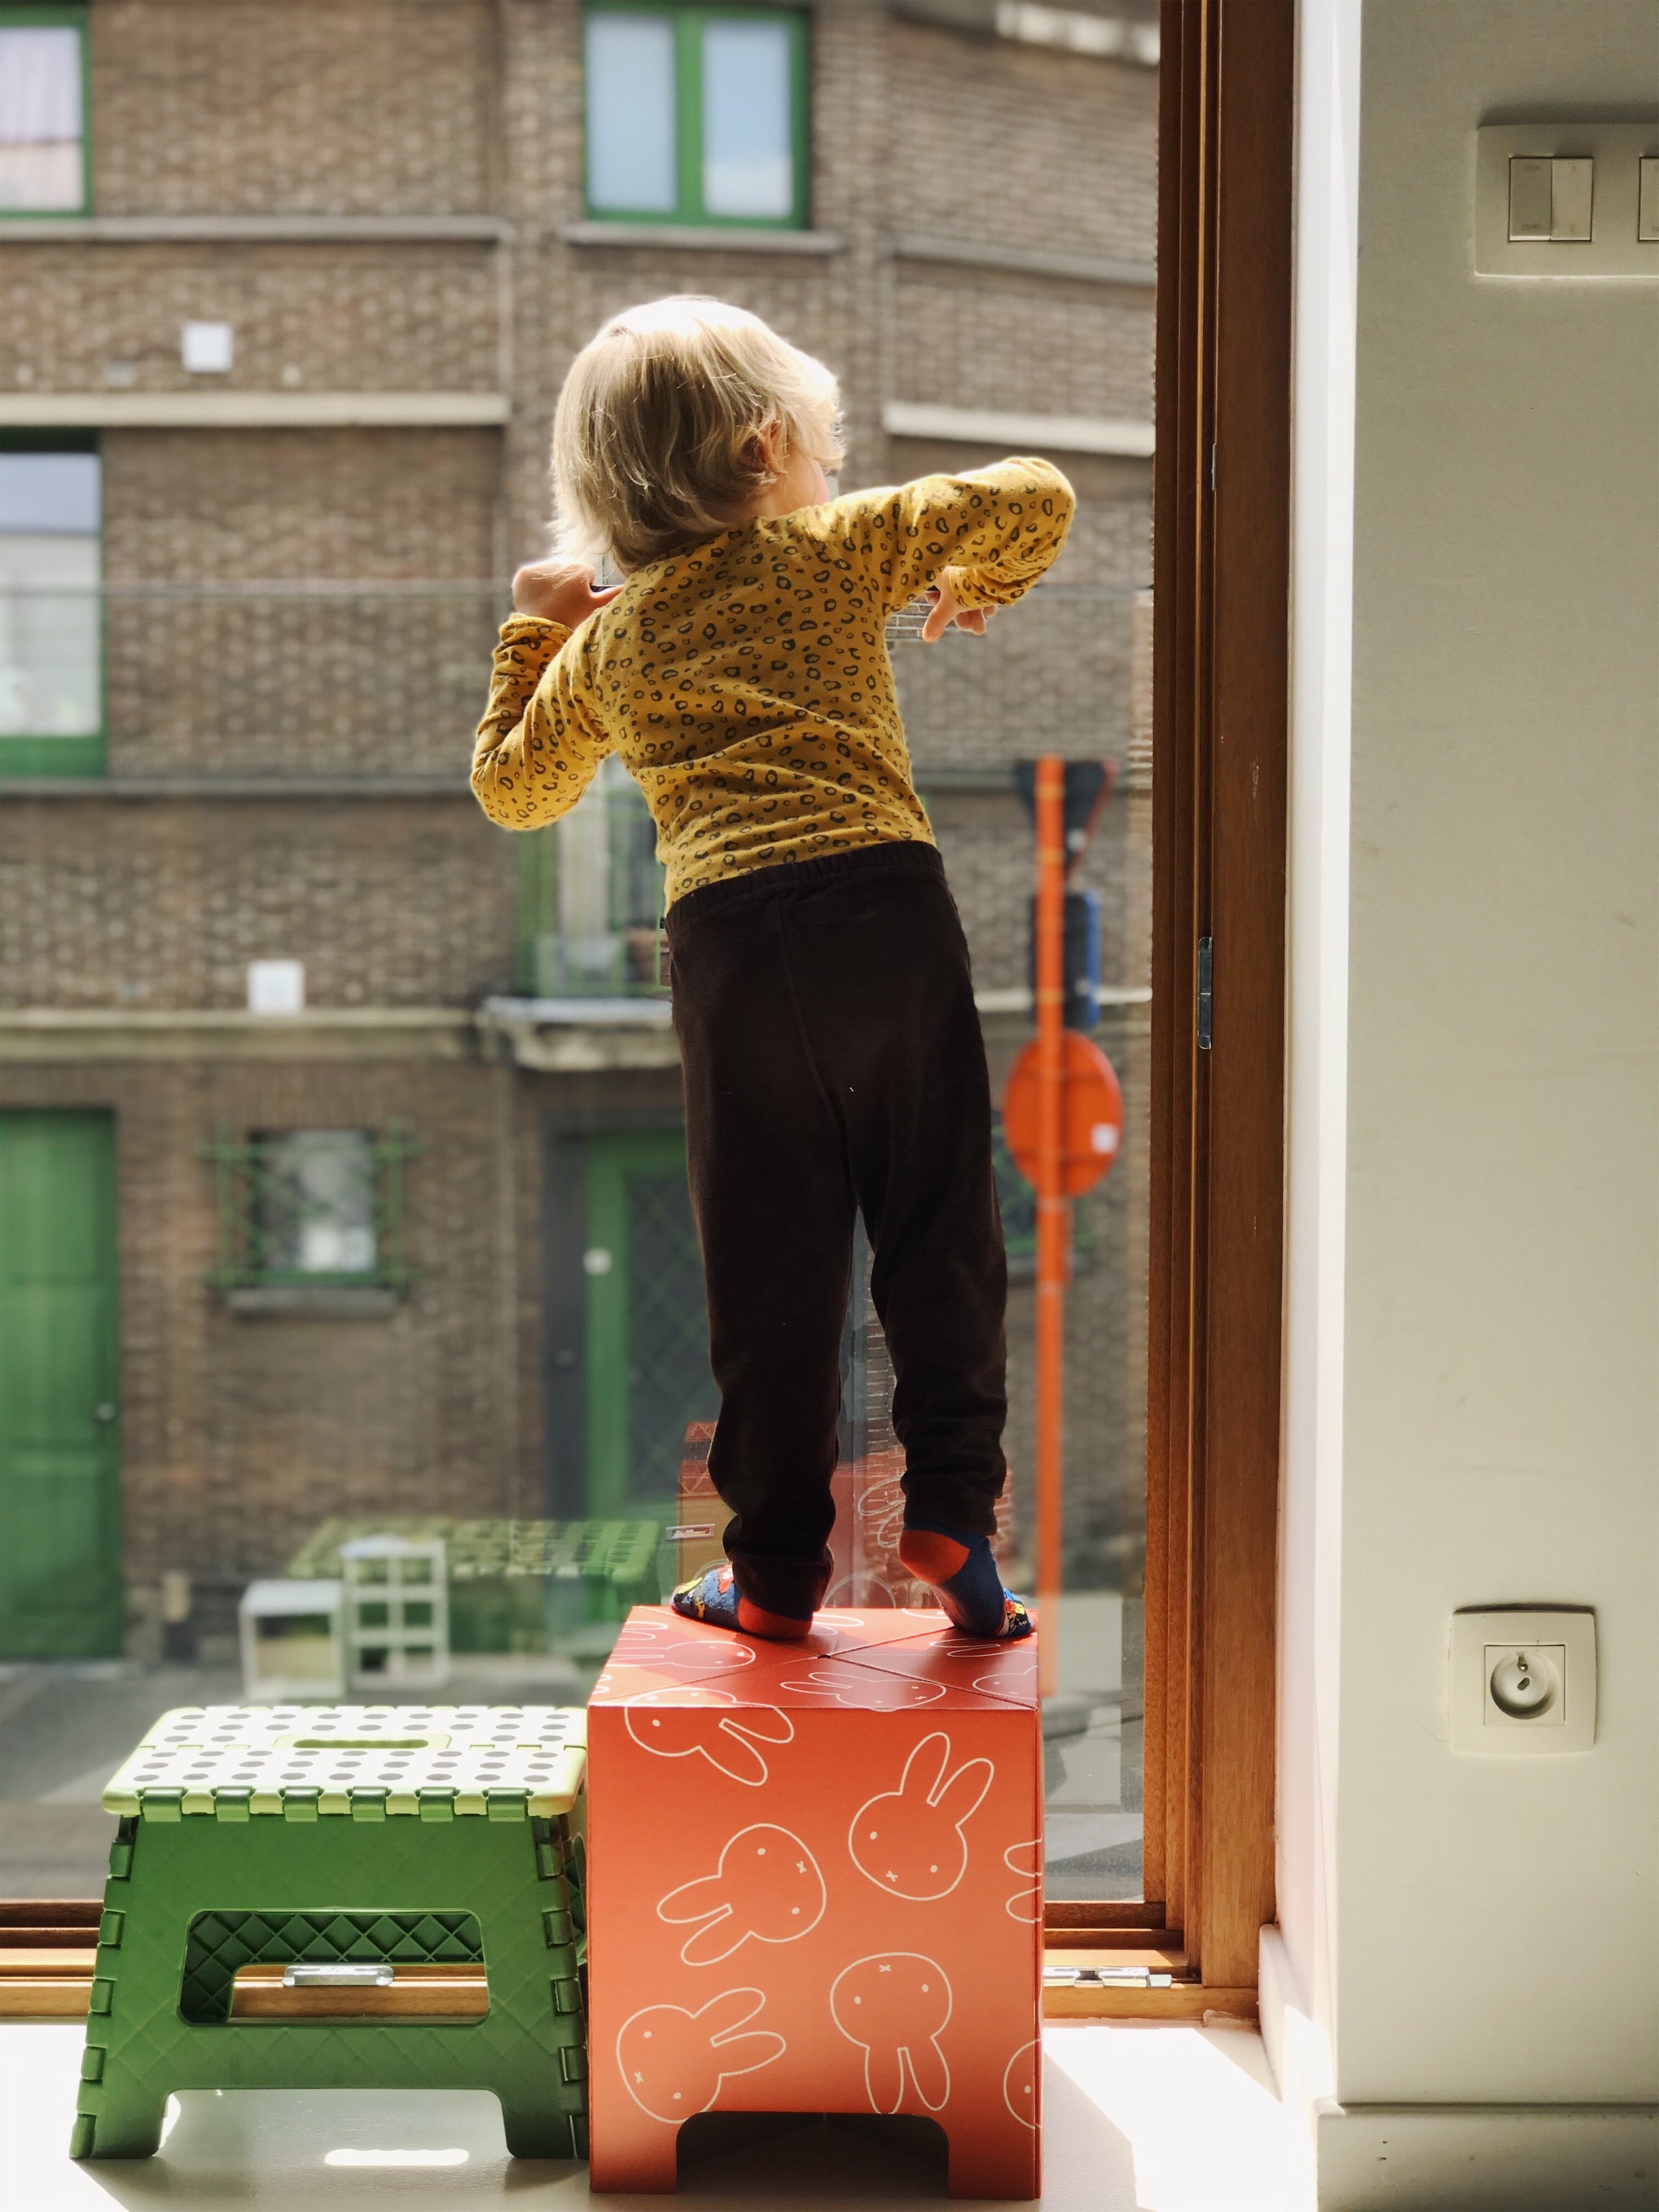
746, 684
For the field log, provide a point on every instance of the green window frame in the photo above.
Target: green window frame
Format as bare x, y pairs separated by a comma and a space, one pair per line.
65, 18
689, 26
262, 1201
39, 753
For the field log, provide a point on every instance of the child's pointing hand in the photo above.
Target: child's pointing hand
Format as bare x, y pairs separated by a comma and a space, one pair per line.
947, 607
559, 592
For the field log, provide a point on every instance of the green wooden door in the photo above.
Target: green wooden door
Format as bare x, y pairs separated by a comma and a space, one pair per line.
646, 1329
60, 1577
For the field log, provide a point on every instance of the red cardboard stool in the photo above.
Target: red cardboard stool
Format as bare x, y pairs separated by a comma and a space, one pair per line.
815, 1885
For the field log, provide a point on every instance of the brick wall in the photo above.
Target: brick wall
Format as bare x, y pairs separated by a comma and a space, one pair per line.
327, 107
311, 676
1020, 146
389, 903
343, 316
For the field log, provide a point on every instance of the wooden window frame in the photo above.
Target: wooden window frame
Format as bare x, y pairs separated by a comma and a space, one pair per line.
688, 24
70, 15
1221, 581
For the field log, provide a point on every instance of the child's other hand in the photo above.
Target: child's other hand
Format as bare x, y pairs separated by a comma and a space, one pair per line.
948, 608
559, 592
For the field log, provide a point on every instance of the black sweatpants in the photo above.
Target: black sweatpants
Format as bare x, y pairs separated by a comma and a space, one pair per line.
832, 1059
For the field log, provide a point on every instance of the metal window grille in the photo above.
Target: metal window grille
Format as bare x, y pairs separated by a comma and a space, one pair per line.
317, 1207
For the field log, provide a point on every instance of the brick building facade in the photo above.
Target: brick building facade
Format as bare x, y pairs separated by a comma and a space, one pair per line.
301, 558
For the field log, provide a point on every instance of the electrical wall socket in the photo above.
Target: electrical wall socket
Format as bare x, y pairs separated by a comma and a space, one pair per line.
1523, 1679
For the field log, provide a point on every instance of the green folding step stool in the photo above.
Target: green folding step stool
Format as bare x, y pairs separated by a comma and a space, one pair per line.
332, 1838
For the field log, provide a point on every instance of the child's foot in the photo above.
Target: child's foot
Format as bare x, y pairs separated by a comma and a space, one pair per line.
714, 1596
960, 1567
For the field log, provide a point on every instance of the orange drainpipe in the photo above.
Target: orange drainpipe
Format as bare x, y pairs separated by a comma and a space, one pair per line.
1054, 1218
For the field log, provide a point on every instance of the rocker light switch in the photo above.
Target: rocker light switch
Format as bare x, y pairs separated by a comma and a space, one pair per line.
1566, 202
1551, 198
1647, 209
1531, 200
1572, 186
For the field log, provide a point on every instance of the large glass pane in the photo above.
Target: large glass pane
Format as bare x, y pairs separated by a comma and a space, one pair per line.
748, 164
50, 677
40, 124
632, 143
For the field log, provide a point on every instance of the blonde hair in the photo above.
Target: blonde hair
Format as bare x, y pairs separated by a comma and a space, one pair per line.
655, 437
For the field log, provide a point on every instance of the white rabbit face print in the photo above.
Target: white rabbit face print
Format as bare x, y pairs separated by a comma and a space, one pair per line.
674, 2061
1024, 1862
896, 2005
1019, 2084
766, 1889
869, 1692
840, 1829
909, 1841
664, 1723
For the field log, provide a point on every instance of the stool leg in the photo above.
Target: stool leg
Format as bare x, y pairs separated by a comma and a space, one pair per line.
128, 2124
532, 2130
119, 2113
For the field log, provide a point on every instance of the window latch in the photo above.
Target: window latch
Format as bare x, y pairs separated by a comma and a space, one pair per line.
1205, 993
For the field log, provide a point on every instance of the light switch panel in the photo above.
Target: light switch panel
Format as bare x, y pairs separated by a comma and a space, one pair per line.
1551, 198
1566, 200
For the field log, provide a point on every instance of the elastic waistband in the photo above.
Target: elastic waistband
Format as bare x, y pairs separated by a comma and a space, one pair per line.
790, 878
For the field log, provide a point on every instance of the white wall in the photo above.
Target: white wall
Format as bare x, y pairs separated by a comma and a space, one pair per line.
1471, 1409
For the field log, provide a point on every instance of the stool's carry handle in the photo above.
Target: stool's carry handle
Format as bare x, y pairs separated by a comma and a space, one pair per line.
374, 1974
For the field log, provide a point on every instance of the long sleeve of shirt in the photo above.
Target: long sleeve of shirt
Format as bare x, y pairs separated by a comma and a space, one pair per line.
539, 744
999, 528
747, 683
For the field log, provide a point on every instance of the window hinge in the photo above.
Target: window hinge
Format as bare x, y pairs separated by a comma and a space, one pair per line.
1212, 468
1205, 993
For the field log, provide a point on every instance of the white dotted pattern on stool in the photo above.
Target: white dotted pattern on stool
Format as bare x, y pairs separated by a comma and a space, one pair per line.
338, 1750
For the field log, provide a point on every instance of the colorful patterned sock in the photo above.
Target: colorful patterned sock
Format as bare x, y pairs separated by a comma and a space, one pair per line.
714, 1596
960, 1567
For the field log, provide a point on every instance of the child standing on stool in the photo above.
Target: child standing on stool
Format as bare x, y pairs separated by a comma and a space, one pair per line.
821, 995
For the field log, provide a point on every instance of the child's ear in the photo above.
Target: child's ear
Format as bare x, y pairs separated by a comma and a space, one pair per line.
767, 448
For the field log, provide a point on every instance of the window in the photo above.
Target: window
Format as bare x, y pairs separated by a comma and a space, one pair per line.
591, 896
696, 116
43, 145
310, 1208
52, 681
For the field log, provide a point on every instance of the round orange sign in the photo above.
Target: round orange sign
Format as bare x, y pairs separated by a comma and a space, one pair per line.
1092, 1113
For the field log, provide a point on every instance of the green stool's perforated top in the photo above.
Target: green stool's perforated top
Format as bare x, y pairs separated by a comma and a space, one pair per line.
504, 1762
